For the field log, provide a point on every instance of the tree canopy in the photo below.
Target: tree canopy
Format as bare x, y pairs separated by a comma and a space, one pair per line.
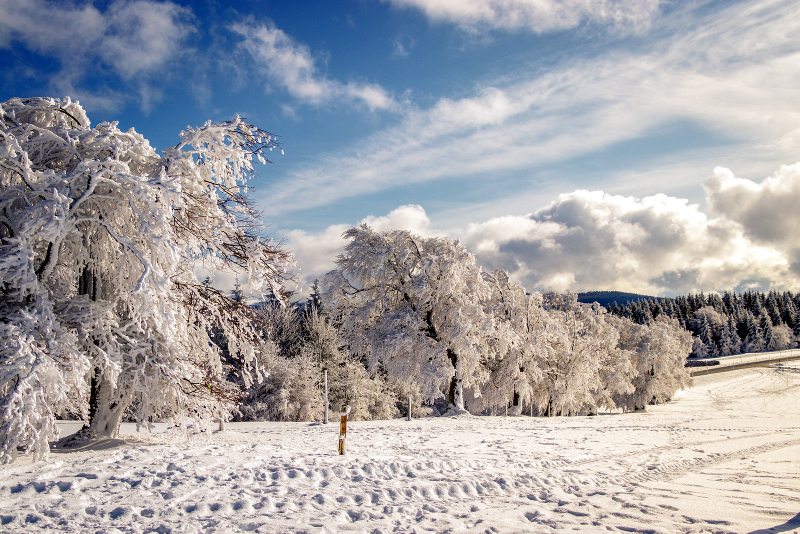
413, 305
99, 239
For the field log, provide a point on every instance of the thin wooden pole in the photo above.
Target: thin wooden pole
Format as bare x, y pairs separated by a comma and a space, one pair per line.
343, 428
325, 397
409, 408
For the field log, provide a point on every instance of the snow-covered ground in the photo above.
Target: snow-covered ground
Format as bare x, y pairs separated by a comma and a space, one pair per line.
724, 456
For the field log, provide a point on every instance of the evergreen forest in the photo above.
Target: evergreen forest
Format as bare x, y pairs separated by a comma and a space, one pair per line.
727, 323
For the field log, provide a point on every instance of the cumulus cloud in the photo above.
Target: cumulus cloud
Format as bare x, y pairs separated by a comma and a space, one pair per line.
411, 218
291, 65
590, 240
768, 212
538, 16
135, 40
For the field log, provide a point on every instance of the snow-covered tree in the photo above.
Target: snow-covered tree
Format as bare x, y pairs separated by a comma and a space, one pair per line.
301, 345
520, 324
415, 306
752, 340
290, 391
729, 342
99, 236
658, 353
770, 342
617, 370
784, 337
573, 363
707, 325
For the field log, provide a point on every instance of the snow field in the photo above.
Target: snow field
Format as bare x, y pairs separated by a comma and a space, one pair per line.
724, 456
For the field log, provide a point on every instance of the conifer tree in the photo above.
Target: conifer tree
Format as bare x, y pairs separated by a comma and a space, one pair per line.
770, 343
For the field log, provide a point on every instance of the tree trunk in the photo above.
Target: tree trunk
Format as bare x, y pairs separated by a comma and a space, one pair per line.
107, 409
455, 397
106, 406
516, 404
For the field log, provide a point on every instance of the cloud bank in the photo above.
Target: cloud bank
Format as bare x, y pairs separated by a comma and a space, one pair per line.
591, 240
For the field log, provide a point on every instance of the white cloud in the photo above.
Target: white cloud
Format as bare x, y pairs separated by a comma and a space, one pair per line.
290, 65
136, 40
142, 36
660, 244
315, 252
401, 46
593, 241
697, 72
411, 218
538, 16
768, 212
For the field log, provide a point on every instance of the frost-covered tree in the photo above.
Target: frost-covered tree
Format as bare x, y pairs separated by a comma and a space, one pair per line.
707, 325
513, 363
290, 391
301, 345
752, 340
617, 371
99, 237
770, 342
415, 306
578, 341
658, 354
729, 342
367, 394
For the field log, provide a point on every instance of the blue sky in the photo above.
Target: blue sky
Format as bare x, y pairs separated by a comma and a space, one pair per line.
634, 145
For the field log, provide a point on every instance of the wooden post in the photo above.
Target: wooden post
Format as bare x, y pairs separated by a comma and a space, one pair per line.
409, 408
343, 428
325, 397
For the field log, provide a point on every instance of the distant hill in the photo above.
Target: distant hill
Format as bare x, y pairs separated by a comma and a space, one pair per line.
607, 298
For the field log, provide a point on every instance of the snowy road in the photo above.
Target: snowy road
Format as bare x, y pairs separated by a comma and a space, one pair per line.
723, 457
740, 361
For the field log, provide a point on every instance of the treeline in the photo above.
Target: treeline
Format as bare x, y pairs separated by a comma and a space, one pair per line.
725, 324
404, 317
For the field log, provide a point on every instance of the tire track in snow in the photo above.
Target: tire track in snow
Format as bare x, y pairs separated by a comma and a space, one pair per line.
671, 471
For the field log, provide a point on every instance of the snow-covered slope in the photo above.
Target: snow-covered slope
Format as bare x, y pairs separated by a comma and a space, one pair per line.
724, 456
